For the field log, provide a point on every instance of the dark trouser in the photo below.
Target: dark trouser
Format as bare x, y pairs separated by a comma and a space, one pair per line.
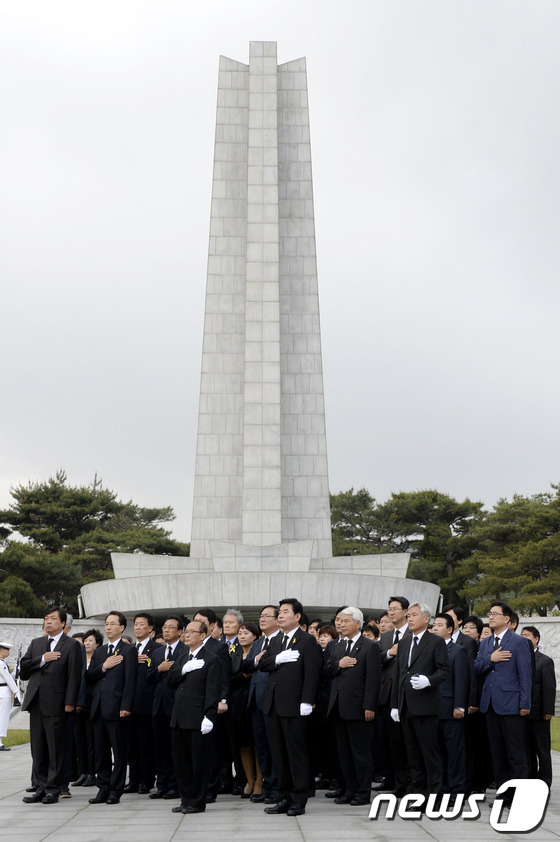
506, 735
263, 751
452, 746
83, 735
394, 733
165, 773
141, 752
422, 751
288, 735
110, 734
538, 738
192, 766
354, 750
48, 737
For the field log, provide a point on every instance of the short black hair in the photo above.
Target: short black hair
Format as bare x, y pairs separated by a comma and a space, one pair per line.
457, 610
297, 607
405, 604
60, 611
514, 618
208, 613
274, 608
532, 630
448, 619
180, 623
144, 615
122, 618
476, 620
96, 634
304, 620
507, 611
383, 614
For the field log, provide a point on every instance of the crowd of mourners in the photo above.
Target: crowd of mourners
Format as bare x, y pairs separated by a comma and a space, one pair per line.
288, 707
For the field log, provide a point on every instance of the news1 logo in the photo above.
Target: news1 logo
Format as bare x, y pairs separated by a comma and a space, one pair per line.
527, 800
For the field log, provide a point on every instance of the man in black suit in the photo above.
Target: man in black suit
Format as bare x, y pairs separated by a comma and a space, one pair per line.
355, 669
112, 674
399, 776
461, 639
422, 665
164, 696
215, 741
268, 623
141, 751
294, 663
453, 698
542, 710
53, 667
196, 679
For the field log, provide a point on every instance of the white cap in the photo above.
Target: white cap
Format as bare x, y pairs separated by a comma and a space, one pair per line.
5, 645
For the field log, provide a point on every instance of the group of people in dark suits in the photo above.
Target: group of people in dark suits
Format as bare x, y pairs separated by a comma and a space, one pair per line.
400, 704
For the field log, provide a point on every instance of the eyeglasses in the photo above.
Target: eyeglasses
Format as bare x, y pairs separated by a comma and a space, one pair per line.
495, 614
267, 616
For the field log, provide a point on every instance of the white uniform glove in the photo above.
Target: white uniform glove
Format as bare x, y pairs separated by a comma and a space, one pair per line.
419, 682
305, 709
395, 715
206, 726
288, 656
197, 664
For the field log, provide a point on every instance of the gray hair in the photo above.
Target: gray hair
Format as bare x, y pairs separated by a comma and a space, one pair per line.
235, 613
355, 613
424, 609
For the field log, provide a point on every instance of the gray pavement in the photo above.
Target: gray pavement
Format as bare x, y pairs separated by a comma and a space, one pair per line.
138, 818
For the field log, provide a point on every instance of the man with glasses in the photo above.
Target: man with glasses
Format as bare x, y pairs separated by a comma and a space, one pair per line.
196, 679
164, 696
268, 624
504, 660
112, 673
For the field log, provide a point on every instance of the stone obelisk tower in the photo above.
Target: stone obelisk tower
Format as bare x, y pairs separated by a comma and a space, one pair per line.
261, 486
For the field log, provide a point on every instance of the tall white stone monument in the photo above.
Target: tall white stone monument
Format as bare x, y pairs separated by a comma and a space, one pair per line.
261, 516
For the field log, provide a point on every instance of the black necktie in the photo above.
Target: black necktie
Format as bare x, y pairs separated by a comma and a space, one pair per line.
51, 641
169, 652
266, 644
138, 645
191, 656
285, 641
496, 642
348, 647
397, 634
412, 650
110, 649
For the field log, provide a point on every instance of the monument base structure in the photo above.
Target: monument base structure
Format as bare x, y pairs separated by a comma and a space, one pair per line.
261, 527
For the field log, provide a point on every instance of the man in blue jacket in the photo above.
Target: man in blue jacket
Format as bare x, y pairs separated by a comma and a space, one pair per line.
505, 661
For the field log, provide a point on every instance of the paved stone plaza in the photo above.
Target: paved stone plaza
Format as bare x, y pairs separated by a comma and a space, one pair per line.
137, 818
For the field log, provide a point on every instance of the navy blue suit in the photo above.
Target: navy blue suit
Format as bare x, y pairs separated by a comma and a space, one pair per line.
454, 693
261, 732
163, 699
506, 691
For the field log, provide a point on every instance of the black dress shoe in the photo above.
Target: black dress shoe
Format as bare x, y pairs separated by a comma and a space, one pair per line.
170, 794
272, 799
238, 790
144, 789
296, 810
100, 798
50, 799
90, 781
81, 781
131, 788
5, 748
31, 789
113, 799
334, 793
281, 807
179, 809
359, 802
258, 798
159, 793
193, 810
343, 799
33, 799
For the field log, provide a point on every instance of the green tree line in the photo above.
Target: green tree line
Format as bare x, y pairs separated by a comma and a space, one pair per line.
55, 538
475, 556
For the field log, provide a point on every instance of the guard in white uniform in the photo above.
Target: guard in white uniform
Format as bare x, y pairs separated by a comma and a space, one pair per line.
7, 687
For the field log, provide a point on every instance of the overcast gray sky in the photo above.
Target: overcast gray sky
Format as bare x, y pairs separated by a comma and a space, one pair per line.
435, 138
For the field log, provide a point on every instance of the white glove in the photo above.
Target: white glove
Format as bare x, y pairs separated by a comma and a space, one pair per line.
419, 682
207, 725
305, 709
395, 715
288, 656
197, 664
